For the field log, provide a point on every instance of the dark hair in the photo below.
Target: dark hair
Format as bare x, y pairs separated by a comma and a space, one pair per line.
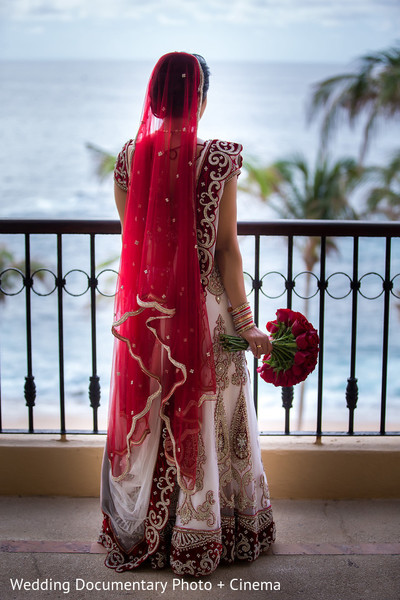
171, 66
206, 73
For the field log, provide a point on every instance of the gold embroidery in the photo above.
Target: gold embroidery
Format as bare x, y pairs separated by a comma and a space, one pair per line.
221, 160
201, 459
240, 375
203, 512
228, 539
256, 523
188, 539
265, 491
255, 534
223, 455
245, 497
241, 456
222, 359
215, 285
240, 435
195, 552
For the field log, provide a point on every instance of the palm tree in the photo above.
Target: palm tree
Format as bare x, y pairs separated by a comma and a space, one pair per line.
373, 89
295, 191
319, 194
104, 161
384, 197
261, 180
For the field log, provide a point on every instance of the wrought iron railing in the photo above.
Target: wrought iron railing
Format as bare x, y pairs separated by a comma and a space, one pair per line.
290, 231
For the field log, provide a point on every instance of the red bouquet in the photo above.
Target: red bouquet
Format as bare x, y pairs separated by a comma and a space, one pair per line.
295, 346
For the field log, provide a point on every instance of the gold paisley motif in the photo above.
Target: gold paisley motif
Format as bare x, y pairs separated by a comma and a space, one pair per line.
240, 434
245, 497
240, 375
215, 285
241, 456
222, 431
223, 455
201, 459
222, 359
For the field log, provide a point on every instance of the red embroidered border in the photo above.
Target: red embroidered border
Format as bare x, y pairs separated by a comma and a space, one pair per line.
189, 552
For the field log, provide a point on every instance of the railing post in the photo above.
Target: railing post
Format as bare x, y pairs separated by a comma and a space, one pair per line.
352, 387
287, 392
60, 282
387, 286
30, 387
287, 403
322, 284
256, 286
94, 385
1, 420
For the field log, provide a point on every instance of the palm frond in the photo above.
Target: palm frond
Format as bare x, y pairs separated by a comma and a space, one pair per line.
104, 161
373, 87
262, 180
384, 197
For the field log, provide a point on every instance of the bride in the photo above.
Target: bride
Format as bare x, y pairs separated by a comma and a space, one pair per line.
183, 484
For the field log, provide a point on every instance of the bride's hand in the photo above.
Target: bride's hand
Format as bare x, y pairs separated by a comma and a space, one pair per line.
258, 341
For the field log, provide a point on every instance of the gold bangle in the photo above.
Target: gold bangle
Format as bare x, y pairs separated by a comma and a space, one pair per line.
246, 328
234, 311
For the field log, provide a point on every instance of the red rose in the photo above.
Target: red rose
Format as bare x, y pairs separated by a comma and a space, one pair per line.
306, 340
266, 373
301, 325
313, 339
302, 341
298, 371
300, 357
284, 379
272, 326
285, 315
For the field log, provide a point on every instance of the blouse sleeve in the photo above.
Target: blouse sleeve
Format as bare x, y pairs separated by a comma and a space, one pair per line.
123, 166
236, 160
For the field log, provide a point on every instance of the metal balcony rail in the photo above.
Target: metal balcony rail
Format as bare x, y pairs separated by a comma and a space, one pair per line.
289, 230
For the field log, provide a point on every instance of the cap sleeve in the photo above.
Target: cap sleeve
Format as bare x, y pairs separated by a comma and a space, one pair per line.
236, 160
123, 165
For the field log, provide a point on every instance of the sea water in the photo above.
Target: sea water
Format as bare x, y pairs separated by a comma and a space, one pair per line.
51, 110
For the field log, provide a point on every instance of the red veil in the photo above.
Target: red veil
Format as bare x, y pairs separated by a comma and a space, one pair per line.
163, 349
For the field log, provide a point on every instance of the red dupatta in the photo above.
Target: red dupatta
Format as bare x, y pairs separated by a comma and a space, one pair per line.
163, 348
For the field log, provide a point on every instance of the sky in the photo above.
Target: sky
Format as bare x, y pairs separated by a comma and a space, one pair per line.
334, 31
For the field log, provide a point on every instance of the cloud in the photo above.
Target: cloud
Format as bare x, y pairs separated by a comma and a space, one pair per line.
60, 10
179, 12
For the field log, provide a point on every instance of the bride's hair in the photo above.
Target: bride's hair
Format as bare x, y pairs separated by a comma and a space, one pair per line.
206, 73
168, 74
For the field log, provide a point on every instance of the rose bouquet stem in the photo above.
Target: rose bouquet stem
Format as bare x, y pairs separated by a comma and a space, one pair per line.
283, 348
295, 346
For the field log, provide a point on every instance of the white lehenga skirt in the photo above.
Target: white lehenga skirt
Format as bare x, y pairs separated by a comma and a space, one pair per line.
147, 517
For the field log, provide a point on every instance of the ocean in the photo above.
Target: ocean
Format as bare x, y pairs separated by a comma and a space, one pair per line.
50, 110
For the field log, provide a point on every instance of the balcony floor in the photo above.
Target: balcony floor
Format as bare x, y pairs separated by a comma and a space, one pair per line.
325, 550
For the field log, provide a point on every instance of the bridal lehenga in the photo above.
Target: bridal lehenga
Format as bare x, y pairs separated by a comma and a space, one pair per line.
183, 484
